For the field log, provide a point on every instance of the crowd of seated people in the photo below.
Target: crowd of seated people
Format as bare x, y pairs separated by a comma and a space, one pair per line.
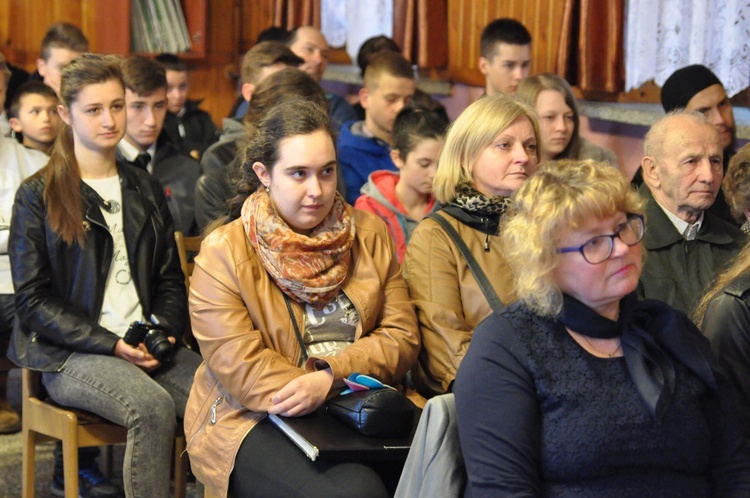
594, 337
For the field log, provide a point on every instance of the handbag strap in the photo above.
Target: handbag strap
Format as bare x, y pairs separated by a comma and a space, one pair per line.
489, 292
296, 327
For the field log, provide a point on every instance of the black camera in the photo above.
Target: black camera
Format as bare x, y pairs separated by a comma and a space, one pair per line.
155, 338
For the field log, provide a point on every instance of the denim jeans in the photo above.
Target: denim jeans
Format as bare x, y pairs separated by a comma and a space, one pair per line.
146, 404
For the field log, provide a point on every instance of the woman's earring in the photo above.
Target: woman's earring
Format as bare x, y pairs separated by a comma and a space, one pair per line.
267, 189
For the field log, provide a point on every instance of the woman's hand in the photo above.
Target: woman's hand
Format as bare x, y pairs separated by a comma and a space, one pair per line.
303, 394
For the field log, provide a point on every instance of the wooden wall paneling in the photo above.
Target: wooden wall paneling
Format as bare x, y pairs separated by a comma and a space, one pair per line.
107, 26
195, 18
256, 15
5, 18
211, 77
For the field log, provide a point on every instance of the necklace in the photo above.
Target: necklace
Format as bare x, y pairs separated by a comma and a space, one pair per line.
602, 353
112, 206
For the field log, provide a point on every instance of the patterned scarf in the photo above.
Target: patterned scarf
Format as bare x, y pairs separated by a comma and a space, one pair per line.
470, 199
309, 269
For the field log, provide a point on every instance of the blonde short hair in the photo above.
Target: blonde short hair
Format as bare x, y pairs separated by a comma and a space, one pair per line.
472, 132
561, 196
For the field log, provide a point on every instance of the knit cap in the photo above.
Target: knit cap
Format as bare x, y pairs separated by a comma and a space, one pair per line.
684, 84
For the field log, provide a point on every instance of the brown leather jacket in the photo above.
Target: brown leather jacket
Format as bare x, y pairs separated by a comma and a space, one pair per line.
448, 299
248, 343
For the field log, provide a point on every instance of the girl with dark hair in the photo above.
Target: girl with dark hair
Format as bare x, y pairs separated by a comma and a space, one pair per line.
92, 251
287, 300
402, 199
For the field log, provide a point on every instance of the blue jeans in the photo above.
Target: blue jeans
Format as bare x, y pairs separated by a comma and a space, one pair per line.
146, 404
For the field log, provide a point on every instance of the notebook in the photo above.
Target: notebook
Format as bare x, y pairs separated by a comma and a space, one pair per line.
319, 435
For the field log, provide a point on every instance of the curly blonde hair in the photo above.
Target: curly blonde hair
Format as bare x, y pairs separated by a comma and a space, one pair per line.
561, 196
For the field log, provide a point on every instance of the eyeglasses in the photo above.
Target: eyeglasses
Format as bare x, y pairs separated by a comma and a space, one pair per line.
599, 249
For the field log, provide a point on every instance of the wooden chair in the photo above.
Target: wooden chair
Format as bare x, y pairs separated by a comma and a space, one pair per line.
187, 248
43, 421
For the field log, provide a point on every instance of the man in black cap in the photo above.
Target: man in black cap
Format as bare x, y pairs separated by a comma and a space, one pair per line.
696, 88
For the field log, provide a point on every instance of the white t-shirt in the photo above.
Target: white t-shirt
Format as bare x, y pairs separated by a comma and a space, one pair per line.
16, 164
121, 306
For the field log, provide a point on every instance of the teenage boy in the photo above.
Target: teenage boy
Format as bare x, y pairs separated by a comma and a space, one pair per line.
263, 59
188, 127
33, 115
365, 146
61, 44
505, 60
16, 164
145, 146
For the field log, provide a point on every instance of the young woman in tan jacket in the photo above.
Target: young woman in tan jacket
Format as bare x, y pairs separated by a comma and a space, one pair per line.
295, 248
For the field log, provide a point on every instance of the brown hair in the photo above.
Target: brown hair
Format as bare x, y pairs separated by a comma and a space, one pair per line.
387, 62
279, 86
29, 88
62, 191
503, 30
143, 76
529, 90
266, 54
63, 35
289, 118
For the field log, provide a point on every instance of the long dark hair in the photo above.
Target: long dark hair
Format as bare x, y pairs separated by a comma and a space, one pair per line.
291, 117
62, 191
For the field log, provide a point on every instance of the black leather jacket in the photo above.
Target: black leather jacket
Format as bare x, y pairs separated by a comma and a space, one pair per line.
60, 287
177, 174
727, 325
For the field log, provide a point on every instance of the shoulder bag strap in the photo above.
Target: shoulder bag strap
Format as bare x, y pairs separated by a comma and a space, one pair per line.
296, 327
489, 292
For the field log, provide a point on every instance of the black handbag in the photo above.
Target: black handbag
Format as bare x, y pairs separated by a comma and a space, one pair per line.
385, 413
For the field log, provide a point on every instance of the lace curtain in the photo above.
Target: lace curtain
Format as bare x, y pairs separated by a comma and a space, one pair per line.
664, 35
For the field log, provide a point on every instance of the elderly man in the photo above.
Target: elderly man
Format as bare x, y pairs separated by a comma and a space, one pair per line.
309, 43
686, 245
696, 88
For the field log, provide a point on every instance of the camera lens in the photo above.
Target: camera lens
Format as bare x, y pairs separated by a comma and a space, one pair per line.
157, 343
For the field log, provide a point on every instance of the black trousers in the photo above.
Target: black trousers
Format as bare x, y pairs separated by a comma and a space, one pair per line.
269, 464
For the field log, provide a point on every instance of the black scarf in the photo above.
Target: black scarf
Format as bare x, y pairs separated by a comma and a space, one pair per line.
653, 335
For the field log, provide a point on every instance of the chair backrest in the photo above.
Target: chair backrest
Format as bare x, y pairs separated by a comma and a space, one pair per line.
31, 384
187, 248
